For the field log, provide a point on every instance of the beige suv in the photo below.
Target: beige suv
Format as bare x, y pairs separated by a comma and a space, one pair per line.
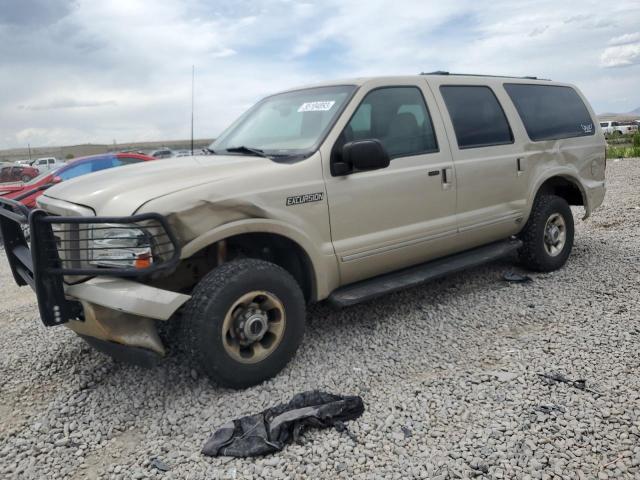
341, 191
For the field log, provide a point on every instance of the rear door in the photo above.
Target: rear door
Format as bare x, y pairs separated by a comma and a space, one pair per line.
491, 170
401, 215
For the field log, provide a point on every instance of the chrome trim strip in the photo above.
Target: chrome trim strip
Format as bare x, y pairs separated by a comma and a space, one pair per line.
396, 246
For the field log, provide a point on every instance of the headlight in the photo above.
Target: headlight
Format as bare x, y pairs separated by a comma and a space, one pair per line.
120, 247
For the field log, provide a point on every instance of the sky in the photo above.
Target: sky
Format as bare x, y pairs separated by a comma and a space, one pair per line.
87, 71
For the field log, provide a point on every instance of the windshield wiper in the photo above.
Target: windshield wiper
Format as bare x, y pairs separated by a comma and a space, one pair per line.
250, 150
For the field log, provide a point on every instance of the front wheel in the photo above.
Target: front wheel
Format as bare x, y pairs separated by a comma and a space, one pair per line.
26, 179
548, 235
244, 322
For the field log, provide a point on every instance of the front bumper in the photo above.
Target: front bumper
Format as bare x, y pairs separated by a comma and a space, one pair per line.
48, 260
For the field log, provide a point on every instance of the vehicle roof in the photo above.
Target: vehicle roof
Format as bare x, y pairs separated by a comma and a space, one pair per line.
441, 77
90, 158
141, 156
13, 165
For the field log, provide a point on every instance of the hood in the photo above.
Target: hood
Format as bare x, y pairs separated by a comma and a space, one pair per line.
123, 190
11, 187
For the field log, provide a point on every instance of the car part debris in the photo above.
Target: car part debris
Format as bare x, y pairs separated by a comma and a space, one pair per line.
516, 277
159, 465
479, 469
580, 384
270, 430
548, 409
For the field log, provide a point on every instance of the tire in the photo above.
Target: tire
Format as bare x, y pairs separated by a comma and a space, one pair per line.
26, 179
272, 299
538, 252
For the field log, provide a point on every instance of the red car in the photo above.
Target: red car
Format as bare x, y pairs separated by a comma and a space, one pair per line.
73, 169
17, 173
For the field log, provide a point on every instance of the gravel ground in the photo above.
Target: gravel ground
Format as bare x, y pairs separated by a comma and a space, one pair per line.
448, 372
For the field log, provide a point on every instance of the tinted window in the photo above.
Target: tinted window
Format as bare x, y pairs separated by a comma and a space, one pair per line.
75, 171
550, 112
604, 124
477, 116
398, 117
84, 168
103, 163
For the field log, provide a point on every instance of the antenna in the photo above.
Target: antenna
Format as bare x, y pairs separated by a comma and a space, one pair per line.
193, 75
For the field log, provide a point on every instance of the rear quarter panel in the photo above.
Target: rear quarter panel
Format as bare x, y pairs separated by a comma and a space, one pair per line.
578, 159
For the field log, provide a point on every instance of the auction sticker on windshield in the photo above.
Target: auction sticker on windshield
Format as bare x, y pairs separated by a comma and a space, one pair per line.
316, 106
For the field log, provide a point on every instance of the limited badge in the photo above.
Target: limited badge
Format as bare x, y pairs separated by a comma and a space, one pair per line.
305, 198
587, 127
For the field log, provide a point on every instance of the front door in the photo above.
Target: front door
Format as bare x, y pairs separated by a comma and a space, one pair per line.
401, 215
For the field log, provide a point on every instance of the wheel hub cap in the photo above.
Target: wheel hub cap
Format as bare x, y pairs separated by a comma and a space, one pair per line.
253, 327
555, 234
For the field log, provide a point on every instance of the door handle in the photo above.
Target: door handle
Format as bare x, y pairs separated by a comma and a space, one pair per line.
447, 178
521, 165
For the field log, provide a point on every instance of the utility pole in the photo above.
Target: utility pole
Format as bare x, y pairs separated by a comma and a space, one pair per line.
29, 145
193, 75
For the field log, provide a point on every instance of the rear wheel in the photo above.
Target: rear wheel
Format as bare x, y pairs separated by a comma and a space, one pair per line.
244, 322
548, 235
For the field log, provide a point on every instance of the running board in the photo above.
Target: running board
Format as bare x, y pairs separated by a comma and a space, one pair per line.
412, 276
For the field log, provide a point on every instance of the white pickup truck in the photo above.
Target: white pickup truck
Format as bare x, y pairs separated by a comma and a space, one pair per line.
618, 128
47, 164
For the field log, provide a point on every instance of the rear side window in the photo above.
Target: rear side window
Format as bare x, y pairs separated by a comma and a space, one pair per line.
550, 112
477, 116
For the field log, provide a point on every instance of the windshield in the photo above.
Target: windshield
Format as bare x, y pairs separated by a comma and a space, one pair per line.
287, 124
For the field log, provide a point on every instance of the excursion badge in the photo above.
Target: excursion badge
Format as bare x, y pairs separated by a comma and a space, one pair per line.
305, 198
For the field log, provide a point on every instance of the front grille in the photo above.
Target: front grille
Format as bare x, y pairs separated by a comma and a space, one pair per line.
83, 246
64, 248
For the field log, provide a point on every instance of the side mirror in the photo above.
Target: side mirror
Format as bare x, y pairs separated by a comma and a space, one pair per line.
361, 155
56, 179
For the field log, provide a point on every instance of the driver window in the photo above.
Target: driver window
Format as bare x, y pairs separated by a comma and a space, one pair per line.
398, 117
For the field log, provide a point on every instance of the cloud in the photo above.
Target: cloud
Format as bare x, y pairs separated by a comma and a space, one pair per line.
538, 30
625, 39
80, 70
34, 12
69, 103
621, 55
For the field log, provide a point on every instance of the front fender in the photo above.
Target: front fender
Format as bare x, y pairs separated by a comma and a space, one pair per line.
322, 258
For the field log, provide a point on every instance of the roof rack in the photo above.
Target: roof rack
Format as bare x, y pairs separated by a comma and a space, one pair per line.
442, 72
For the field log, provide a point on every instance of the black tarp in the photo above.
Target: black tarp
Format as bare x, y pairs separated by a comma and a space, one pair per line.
270, 430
